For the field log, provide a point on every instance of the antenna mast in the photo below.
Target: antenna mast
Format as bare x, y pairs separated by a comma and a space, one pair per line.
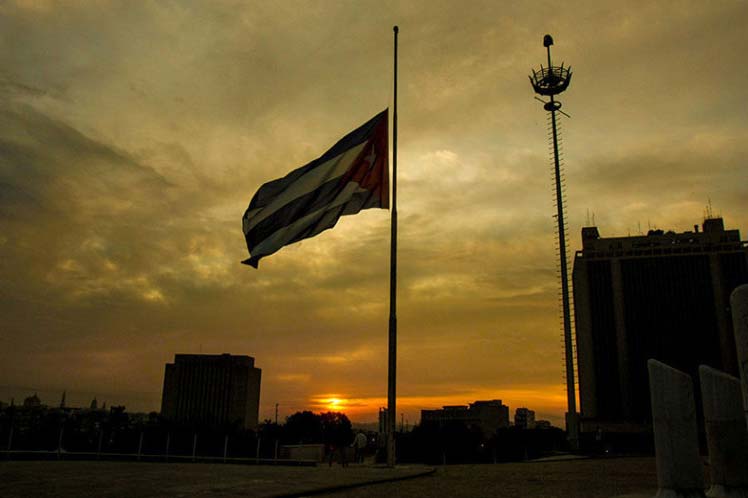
549, 82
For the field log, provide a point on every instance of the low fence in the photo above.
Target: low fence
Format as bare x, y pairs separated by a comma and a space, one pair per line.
152, 445
88, 456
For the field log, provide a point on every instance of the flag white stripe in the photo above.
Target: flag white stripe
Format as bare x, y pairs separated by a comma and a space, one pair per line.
285, 234
333, 168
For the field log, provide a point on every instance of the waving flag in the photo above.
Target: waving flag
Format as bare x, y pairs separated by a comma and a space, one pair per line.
351, 176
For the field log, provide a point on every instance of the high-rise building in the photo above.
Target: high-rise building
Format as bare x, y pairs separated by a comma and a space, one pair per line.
212, 389
663, 295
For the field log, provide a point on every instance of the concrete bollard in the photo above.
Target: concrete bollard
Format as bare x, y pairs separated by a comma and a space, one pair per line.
679, 468
726, 433
739, 305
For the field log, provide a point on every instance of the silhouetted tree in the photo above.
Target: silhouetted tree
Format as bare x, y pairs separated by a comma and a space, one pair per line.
336, 429
270, 431
303, 427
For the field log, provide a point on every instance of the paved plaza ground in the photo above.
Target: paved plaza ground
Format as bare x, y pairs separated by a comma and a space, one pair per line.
611, 477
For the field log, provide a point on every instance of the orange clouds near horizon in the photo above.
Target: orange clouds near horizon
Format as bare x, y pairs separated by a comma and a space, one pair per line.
546, 401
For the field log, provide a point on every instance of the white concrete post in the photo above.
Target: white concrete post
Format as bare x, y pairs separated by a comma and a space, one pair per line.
140, 445
679, 467
59, 441
726, 434
739, 305
10, 437
98, 447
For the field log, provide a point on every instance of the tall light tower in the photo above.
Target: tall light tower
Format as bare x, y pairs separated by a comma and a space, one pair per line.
549, 82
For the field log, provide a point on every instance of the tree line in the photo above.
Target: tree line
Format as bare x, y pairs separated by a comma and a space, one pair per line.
116, 431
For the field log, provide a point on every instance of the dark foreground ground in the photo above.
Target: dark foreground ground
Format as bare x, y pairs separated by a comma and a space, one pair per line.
569, 478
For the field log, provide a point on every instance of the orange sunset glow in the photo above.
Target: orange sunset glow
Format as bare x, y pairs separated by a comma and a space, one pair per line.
551, 399
134, 134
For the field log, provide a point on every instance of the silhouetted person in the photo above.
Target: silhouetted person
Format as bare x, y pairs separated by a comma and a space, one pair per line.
599, 446
359, 444
344, 455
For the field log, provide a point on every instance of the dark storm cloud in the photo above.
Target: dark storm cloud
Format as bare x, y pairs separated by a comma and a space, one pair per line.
62, 190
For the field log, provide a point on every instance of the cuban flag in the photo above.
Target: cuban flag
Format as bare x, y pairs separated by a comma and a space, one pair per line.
351, 176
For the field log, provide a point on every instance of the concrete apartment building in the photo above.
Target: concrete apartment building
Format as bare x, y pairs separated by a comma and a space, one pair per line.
212, 390
663, 295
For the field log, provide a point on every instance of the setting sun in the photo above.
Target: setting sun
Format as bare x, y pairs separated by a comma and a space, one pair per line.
334, 403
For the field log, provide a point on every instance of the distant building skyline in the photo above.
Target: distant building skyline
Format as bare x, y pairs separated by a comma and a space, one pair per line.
212, 389
664, 295
35, 401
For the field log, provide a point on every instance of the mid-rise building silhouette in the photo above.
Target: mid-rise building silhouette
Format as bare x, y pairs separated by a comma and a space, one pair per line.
488, 416
663, 295
524, 418
212, 390
32, 402
382, 420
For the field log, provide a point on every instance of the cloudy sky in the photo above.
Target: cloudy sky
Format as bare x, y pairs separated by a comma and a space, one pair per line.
133, 135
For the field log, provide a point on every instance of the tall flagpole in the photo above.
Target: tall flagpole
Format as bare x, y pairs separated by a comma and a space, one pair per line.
391, 376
